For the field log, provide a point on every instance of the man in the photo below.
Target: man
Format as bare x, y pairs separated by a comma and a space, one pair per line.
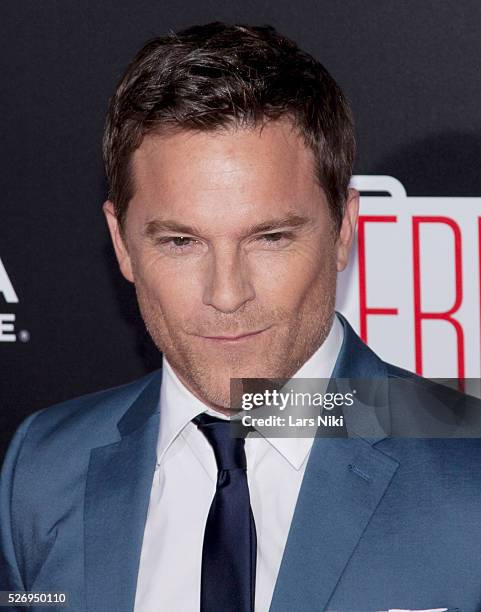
228, 153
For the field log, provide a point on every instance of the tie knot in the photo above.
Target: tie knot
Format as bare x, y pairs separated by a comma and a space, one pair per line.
229, 451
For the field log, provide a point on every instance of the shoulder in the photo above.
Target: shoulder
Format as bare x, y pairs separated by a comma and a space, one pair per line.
50, 451
432, 408
88, 420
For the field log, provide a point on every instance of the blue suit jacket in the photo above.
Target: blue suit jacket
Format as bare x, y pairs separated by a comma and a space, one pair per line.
380, 523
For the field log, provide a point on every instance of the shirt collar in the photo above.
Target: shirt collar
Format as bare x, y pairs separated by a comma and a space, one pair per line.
179, 405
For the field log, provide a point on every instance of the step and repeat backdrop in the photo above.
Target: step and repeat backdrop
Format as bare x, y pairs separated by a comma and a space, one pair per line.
68, 321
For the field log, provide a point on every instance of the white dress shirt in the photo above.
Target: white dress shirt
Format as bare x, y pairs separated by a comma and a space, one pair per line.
184, 485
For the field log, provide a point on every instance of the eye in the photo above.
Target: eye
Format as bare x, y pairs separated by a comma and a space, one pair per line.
177, 244
180, 241
277, 238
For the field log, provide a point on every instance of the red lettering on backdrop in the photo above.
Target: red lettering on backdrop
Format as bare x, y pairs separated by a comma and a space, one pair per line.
364, 309
419, 315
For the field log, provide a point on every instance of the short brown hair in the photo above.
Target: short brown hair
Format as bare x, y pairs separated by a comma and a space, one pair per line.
216, 75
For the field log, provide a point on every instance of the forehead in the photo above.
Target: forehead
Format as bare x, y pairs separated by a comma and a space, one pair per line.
225, 172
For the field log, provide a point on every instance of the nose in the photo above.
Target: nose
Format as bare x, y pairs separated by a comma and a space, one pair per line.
228, 286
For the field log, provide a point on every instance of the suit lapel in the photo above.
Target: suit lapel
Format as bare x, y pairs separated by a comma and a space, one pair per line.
344, 481
117, 495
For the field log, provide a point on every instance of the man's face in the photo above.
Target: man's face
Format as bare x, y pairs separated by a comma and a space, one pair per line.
232, 248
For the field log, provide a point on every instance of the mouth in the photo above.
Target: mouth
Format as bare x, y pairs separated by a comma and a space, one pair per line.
240, 338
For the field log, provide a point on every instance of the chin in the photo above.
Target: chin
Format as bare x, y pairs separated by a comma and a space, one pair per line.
252, 368
214, 393
212, 382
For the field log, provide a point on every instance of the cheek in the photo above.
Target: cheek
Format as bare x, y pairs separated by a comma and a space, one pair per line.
290, 277
168, 286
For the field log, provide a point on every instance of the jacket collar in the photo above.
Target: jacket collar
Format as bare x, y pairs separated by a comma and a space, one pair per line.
356, 359
146, 405
359, 369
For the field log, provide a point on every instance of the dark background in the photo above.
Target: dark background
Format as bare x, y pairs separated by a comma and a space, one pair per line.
411, 70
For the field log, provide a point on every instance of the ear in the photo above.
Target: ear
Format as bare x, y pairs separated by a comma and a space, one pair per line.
348, 227
118, 241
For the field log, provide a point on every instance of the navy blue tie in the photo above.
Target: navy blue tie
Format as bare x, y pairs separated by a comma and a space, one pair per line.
230, 544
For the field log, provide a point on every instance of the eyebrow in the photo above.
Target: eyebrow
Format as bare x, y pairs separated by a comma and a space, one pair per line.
157, 226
